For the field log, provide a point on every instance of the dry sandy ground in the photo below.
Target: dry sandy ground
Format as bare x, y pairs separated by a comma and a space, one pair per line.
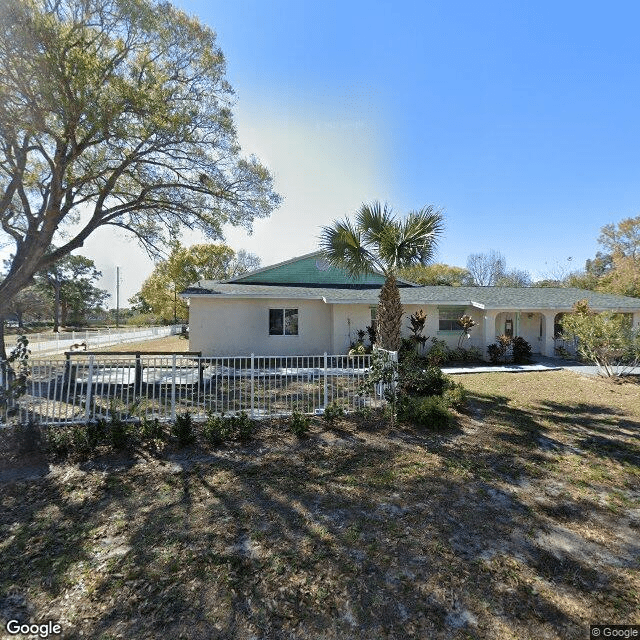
521, 522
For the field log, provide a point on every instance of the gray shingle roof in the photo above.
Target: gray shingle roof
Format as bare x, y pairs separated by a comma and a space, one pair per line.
513, 298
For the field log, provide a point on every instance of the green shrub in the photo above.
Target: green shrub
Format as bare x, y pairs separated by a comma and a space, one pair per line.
182, 429
217, 429
426, 412
496, 353
455, 395
243, 426
413, 380
299, 424
119, 432
521, 350
58, 441
151, 429
474, 354
439, 353
81, 441
220, 429
333, 411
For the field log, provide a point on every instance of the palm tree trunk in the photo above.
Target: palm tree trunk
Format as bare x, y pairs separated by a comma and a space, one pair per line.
389, 315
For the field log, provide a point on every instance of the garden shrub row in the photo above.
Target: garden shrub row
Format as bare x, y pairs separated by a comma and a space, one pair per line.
115, 434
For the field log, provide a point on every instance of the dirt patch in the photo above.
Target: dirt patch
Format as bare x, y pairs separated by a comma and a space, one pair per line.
521, 522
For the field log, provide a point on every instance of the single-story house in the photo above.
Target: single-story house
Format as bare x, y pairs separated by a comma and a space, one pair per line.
305, 306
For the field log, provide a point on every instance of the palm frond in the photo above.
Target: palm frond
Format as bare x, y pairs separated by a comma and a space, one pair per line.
343, 247
374, 220
418, 236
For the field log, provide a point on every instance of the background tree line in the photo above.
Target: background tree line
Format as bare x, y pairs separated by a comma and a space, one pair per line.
614, 269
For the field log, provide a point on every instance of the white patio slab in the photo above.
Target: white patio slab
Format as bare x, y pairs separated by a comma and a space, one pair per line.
505, 368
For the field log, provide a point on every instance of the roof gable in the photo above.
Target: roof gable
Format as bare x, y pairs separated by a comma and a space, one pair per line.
310, 269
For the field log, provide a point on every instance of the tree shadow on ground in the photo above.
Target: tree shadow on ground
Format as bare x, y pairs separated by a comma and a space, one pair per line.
377, 532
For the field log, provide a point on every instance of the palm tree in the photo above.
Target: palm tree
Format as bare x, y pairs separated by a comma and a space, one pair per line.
377, 241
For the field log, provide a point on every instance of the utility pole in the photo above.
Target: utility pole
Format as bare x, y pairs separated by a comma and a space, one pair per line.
117, 297
175, 304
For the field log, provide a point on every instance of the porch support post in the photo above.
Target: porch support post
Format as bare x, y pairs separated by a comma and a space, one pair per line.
489, 331
548, 337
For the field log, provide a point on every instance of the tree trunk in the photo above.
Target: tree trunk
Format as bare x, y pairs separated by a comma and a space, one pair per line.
3, 351
389, 315
56, 306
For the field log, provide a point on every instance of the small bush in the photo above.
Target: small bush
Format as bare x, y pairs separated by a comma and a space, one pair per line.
58, 441
243, 426
358, 349
217, 429
365, 413
299, 424
415, 381
494, 352
439, 353
333, 411
182, 429
81, 441
521, 350
220, 429
426, 412
151, 429
118, 432
455, 395
474, 354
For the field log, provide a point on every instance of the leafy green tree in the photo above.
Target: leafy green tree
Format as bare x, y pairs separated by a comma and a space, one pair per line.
185, 266
115, 113
69, 286
379, 241
436, 275
606, 339
616, 269
29, 304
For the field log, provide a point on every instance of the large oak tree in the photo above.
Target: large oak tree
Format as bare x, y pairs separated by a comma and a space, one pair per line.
114, 113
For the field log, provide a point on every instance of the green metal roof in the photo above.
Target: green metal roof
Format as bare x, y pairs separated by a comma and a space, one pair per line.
511, 298
309, 269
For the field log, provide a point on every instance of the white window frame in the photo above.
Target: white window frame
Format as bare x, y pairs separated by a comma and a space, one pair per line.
283, 311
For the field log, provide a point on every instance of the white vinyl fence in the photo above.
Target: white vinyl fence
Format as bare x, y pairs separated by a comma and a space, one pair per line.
90, 387
49, 343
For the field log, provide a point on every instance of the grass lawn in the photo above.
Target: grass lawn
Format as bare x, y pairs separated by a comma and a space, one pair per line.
522, 522
166, 345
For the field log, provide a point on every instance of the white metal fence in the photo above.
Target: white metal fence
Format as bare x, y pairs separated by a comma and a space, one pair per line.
49, 343
90, 387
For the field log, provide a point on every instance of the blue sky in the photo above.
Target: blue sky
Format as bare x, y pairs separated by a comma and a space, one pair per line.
520, 121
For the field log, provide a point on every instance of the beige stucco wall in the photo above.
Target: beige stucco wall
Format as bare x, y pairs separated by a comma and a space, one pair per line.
360, 316
237, 327
345, 316
230, 327
431, 327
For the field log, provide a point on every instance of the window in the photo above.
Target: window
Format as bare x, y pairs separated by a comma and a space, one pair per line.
448, 318
283, 322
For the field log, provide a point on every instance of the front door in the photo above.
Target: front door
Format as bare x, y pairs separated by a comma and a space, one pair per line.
508, 327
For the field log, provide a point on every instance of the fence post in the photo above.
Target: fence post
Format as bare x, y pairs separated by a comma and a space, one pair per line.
137, 382
87, 411
252, 386
326, 383
173, 389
